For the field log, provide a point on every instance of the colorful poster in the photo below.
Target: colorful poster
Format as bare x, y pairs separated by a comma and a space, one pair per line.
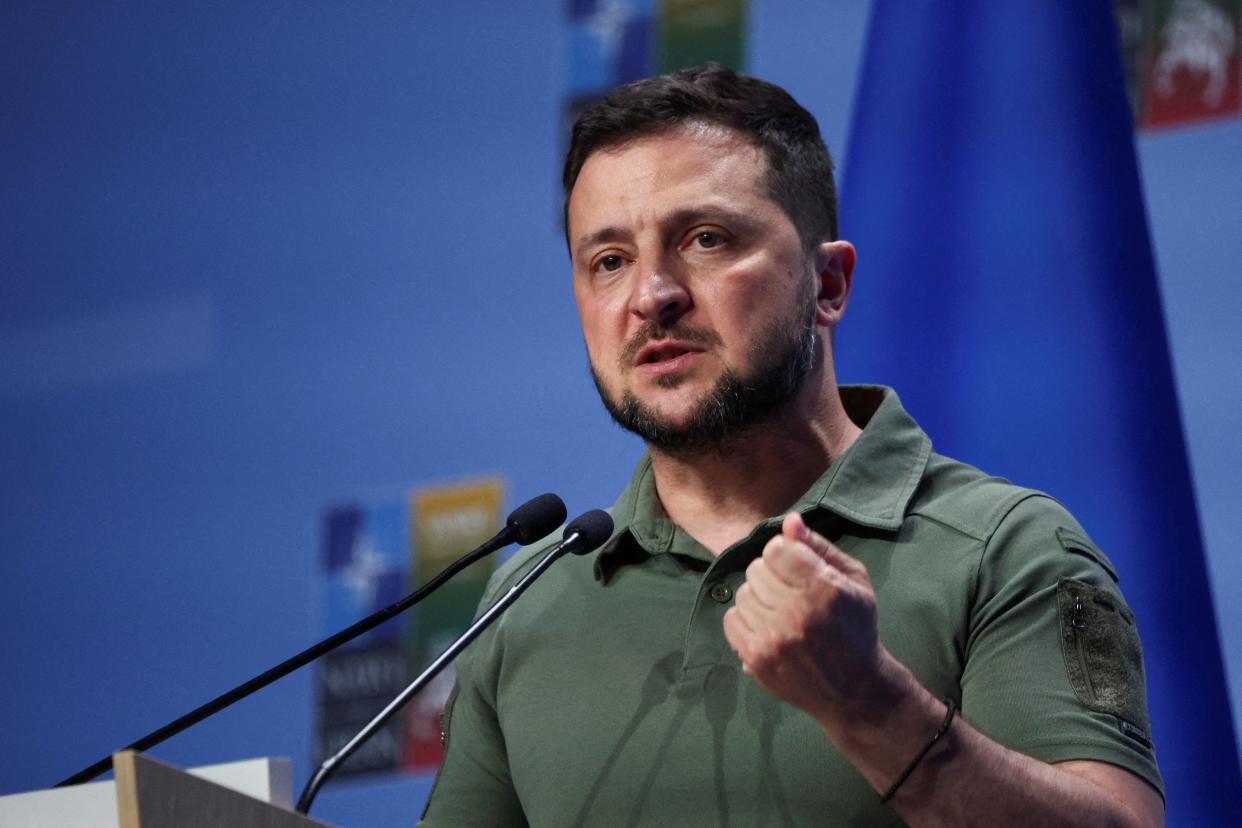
375, 552
446, 522
364, 563
698, 31
612, 42
1182, 59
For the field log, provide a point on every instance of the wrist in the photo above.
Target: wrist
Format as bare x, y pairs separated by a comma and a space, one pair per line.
887, 722
887, 693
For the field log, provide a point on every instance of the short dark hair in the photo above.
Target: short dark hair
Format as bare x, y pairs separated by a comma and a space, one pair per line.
799, 167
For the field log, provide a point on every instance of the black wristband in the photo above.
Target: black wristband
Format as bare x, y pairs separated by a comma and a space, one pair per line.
905, 774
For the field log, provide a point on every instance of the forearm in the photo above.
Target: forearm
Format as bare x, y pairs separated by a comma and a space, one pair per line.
966, 779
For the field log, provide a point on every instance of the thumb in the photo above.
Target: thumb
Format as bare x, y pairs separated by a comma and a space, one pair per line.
794, 527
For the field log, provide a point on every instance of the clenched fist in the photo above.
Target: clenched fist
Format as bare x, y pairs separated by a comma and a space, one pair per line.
804, 624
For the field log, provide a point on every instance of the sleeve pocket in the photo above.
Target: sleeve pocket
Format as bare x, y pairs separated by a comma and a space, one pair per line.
1103, 656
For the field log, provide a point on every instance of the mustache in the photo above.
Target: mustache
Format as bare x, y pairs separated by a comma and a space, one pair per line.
655, 332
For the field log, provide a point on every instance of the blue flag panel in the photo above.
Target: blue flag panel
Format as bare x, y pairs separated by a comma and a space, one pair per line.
1006, 287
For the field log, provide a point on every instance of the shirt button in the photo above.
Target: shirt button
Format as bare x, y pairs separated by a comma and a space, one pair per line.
721, 593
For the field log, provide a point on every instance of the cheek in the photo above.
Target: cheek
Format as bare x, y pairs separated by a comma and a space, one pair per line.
770, 286
736, 302
599, 330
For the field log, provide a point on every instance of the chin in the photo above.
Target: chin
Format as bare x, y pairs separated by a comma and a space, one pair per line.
673, 410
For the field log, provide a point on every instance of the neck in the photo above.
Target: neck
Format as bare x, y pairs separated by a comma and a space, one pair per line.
718, 496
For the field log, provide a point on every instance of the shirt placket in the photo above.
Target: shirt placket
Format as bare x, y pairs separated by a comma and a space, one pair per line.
705, 645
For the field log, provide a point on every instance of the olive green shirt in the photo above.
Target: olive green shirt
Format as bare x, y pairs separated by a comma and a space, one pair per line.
607, 695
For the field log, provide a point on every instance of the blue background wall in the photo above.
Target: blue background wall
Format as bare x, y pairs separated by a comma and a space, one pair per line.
259, 256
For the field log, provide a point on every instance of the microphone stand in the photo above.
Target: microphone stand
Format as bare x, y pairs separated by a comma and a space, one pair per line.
330, 764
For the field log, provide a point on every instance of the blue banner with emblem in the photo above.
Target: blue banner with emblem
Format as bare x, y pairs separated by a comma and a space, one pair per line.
1006, 287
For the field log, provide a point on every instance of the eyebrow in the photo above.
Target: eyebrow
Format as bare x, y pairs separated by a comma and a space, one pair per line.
601, 236
678, 218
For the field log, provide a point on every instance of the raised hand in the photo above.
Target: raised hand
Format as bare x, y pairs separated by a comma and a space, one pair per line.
804, 624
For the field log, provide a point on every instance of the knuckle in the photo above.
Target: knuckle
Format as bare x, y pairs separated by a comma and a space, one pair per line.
806, 626
826, 589
800, 625
763, 662
784, 646
778, 547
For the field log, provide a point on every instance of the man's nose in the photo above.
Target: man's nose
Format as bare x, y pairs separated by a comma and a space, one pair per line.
660, 294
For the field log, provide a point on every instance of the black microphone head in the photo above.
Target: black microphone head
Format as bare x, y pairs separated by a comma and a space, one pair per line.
593, 528
536, 518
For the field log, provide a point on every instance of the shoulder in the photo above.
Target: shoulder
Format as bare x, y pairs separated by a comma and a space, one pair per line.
964, 498
1013, 522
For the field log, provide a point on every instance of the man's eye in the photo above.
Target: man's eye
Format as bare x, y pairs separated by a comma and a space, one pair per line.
708, 239
610, 263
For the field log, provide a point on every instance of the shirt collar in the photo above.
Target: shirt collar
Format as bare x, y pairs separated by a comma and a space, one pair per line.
870, 485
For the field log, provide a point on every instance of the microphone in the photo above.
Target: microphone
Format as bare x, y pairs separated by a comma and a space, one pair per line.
587, 532
584, 534
532, 521
535, 519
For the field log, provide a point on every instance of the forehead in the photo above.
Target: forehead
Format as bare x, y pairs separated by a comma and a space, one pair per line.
693, 164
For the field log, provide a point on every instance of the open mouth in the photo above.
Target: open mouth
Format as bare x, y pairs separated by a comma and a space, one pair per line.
664, 354
667, 355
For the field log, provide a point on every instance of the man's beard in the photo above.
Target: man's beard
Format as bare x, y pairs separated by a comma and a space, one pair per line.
783, 355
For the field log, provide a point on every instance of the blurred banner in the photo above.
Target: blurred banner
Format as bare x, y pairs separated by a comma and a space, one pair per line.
446, 522
1181, 58
1006, 287
612, 42
375, 552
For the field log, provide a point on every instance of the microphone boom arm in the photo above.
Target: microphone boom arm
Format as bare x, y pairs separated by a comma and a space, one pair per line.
441, 661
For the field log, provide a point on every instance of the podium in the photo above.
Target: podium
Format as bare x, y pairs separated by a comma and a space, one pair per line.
149, 794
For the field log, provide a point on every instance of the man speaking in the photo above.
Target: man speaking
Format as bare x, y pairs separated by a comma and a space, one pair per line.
805, 616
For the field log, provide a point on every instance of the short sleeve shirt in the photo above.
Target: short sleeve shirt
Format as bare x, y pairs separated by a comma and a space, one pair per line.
608, 695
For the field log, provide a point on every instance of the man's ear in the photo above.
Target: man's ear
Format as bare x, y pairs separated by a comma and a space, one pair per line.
834, 267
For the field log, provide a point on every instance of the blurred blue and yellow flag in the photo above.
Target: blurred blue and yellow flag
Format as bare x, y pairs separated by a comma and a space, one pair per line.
1006, 288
